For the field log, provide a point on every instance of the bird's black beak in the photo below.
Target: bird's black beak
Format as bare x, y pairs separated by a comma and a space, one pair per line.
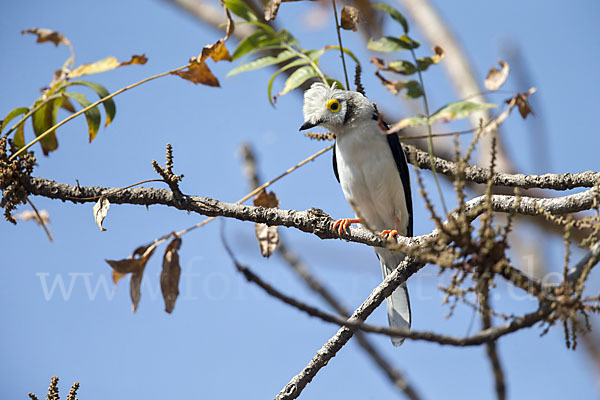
307, 125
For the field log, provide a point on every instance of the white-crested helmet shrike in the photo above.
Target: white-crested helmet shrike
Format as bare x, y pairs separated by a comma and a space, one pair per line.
372, 170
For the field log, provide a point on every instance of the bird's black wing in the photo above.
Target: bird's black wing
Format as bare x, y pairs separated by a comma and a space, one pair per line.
402, 165
335, 170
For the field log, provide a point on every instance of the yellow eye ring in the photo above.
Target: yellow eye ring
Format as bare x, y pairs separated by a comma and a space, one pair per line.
333, 105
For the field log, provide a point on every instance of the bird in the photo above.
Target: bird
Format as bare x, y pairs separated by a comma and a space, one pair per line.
372, 170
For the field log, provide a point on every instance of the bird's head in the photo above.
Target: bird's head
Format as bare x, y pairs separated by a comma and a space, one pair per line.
333, 108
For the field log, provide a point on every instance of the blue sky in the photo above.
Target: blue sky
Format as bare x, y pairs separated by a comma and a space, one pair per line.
225, 337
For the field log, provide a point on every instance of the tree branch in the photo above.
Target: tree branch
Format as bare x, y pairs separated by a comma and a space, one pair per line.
480, 175
408, 267
313, 221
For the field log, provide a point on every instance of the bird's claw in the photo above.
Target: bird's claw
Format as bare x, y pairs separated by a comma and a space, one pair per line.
390, 233
343, 224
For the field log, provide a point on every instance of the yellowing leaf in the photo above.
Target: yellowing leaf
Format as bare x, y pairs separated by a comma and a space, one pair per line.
169, 277
221, 53
267, 236
349, 18
43, 119
106, 64
495, 77
100, 211
458, 110
12, 115
48, 35
198, 72
92, 116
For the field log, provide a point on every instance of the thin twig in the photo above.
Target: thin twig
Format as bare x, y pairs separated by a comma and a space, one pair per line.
339, 35
40, 219
429, 134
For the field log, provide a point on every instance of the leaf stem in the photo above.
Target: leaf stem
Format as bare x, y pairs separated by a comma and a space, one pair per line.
40, 220
102, 100
429, 135
339, 35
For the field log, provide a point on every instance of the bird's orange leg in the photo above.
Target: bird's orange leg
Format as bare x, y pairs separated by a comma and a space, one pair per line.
391, 233
344, 223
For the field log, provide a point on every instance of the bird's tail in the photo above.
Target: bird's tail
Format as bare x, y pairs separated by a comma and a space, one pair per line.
398, 304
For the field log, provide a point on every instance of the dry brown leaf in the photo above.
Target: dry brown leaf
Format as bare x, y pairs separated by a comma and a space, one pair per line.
198, 72
135, 59
379, 63
349, 18
106, 64
266, 199
268, 237
495, 77
116, 276
135, 289
48, 35
271, 9
28, 215
169, 277
135, 265
100, 211
521, 100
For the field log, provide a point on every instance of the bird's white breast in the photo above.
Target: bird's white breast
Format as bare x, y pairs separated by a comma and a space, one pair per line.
369, 177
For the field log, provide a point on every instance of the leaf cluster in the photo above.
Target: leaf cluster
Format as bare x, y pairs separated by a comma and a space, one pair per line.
283, 50
61, 94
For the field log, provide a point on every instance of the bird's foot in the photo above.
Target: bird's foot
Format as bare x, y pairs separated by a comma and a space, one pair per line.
389, 233
343, 224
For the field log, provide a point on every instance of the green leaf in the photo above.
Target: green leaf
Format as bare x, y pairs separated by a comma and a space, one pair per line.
92, 115
12, 115
413, 89
331, 81
43, 119
391, 44
395, 14
254, 42
109, 105
293, 64
458, 110
297, 78
263, 62
241, 9
402, 67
